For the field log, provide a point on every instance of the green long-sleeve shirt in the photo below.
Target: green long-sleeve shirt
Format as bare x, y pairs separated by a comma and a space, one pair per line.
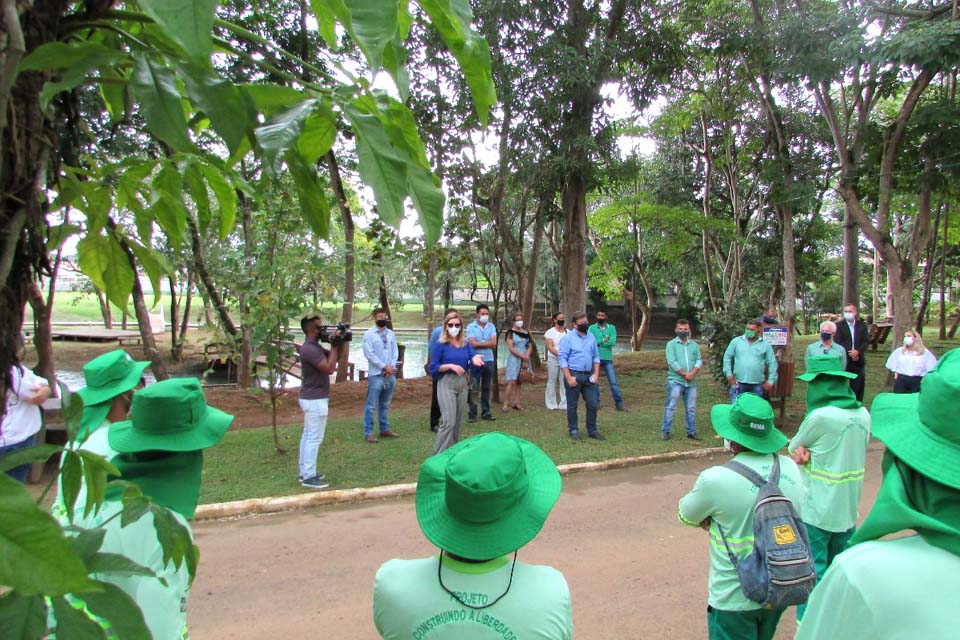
746, 361
606, 338
683, 356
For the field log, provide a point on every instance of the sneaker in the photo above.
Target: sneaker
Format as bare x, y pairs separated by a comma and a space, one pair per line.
487, 417
316, 482
575, 435
596, 435
664, 435
319, 475
620, 407
694, 436
472, 419
434, 427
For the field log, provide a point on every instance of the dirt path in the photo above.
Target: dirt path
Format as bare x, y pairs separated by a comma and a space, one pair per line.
634, 571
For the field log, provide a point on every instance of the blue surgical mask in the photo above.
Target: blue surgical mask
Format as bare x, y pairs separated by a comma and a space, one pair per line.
826, 336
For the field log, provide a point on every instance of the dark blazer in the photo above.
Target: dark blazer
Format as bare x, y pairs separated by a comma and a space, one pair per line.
860, 341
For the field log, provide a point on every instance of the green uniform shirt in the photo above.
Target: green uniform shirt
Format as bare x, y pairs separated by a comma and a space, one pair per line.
409, 603
728, 499
746, 361
902, 589
683, 356
606, 338
817, 349
833, 479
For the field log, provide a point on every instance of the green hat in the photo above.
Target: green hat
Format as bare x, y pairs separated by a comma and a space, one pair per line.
748, 422
922, 428
109, 375
826, 365
169, 416
486, 496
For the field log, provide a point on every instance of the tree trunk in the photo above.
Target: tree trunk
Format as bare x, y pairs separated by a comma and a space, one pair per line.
573, 266
150, 350
185, 321
789, 276
851, 259
428, 306
42, 335
530, 289
928, 269
245, 365
175, 348
213, 295
942, 333
349, 259
875, 306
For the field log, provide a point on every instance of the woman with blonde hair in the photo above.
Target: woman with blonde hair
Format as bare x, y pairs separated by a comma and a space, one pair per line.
910, 363
450, 362
520, 348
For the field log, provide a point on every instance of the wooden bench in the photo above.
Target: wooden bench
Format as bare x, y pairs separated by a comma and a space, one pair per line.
879, 333
784, 387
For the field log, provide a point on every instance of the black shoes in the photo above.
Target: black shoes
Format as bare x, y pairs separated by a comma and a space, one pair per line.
620, 407
487, 417
575, 436
596, 435
664, 435
694, 436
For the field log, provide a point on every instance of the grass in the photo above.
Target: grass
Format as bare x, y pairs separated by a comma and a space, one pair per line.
245, 464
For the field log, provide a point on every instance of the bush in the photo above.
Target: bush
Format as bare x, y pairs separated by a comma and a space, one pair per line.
719, 328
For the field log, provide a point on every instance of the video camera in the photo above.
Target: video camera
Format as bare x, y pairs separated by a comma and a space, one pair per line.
328, 333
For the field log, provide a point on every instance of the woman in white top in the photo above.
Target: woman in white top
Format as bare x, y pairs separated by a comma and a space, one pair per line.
910, 363
556, 396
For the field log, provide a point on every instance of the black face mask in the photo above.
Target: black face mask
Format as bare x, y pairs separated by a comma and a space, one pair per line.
382, 322
826, 336
769, 320
560, 323
601, 322
683, 335
582, 327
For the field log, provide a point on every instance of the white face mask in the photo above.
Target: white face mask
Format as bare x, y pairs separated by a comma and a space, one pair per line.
726, 445
848, 316
453, 331
518, 323
483, 319
908, 340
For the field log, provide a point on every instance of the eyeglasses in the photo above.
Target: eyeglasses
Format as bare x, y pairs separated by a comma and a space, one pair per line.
451, 325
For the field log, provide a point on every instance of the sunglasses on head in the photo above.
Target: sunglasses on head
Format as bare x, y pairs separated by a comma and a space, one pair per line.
453, 324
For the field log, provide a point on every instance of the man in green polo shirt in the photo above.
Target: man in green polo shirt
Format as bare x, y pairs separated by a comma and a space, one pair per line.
905, 586
831, 449
749, 363
479, 502
722, 499
606, 335
683, 364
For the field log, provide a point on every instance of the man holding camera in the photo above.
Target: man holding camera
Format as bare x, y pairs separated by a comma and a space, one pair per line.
316, 365
381, 351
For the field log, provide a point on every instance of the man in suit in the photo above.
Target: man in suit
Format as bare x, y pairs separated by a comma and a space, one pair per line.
854, 336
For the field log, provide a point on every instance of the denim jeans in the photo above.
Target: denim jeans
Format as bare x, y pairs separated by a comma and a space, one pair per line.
314, 425
379, 394
746, 387
591, 397
606, 366
674, 391
18, 473
486, 373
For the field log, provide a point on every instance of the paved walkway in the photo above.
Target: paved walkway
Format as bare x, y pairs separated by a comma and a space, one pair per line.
634, 571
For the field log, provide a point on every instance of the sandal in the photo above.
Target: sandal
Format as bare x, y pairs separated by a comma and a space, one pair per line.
518, 407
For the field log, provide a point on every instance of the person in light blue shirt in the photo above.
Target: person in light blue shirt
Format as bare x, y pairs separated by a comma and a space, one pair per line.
749, 363
683, 364
380, 350
482, 337
579, 359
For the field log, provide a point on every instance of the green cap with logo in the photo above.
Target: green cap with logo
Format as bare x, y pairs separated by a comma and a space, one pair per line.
825, 364
749, 423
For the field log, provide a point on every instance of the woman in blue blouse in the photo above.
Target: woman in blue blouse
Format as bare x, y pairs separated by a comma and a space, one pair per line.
450, 361
518, 343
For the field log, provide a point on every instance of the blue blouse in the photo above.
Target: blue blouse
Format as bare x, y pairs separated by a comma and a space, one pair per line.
446, 353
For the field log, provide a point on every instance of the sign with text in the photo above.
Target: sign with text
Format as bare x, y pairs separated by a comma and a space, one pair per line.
777, 336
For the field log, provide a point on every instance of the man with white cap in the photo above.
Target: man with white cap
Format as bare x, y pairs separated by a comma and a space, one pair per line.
906, 586
478, 501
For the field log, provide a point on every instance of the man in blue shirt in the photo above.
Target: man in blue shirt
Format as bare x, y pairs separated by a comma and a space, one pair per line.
482, 336
579, 360
380, 350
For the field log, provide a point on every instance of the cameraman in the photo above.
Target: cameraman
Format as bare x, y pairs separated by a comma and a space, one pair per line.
316, 364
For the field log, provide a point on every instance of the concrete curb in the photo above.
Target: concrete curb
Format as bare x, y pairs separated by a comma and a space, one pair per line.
257, 506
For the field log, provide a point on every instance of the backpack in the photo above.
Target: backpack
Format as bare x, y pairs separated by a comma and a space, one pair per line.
779, 572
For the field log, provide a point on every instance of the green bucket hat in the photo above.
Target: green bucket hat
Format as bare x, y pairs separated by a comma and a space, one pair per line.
748, 422
486, 496
169, 416
109, 375
922, 428
826, 365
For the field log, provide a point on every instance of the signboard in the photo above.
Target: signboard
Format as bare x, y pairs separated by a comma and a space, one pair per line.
777, 336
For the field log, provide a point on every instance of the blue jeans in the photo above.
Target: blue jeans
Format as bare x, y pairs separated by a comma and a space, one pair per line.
746, 387
674, 391
379, 394
606, 366
485, 373
591, 397
18, 473
314, 425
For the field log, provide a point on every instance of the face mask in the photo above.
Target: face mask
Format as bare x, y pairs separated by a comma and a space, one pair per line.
483, 319
726, 445
749, 334
908, 340
560, 323
601, 322
769, 320
381, 323
518, 323
826, 336
582, 327
453, 331
683, 335
849, 316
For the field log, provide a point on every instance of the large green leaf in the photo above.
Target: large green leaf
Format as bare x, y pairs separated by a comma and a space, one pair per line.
382, 167
313, 205
229, 110
374, 24
187, 22
115, 605
35, 557
96, 203
60, 233
74, 624
105, 263
87, 543
270, 98
428, 199
73, 62
116, 564
327, 13
281, 132
153, 263
167, 203
71, 478
22, 617
452, 19
197, 188
226, 197
161, 103
38, 453
113, 91
174, 538
96, 468
319, 132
